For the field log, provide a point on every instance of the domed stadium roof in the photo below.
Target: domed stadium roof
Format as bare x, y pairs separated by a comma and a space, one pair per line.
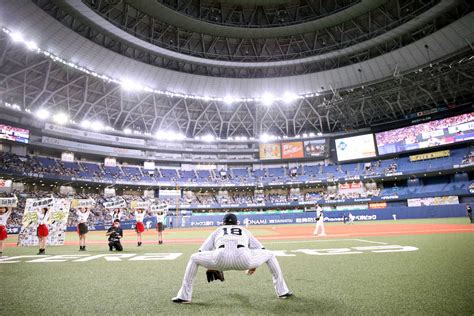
236, 68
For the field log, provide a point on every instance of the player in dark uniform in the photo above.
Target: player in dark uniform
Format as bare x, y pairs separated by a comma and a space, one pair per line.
469, 212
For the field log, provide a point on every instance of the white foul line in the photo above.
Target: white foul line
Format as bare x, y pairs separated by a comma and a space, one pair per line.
322, 240
372, 242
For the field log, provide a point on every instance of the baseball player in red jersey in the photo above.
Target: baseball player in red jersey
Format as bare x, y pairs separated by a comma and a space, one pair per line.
231, 247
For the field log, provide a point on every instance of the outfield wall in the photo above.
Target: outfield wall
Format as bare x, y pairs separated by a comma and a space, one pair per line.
307, 217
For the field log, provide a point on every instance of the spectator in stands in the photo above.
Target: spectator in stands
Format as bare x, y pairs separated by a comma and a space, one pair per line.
115, 234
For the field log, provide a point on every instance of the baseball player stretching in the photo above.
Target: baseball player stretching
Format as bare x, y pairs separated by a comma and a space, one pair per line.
231, 247
319, 221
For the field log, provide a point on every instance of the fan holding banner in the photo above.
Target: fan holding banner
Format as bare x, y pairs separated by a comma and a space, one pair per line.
83, 210
140, 209
116, 207
6, 208
160, 210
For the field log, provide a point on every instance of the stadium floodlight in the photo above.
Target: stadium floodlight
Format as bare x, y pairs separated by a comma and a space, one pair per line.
267, 99
289, 97
31, 45
229, 100
208, 138
265, 137
61, 118
42, 114
127, 131
305, 135
86, 124
97, 126
129, 85
17, 37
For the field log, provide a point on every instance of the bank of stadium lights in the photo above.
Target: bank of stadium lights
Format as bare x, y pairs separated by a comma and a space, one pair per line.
266, 137
126, 84
127, 131
208, 138
13, 106
267, 99
42, 114
61, 118
169, 135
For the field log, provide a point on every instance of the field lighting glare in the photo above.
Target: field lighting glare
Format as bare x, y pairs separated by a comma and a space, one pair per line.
127, 131
228, 100
129, 85
42, 114
17, 37
60, 118
31, 45
267, 99
208, 138
265, 137
97, 126
85, 124
289, 97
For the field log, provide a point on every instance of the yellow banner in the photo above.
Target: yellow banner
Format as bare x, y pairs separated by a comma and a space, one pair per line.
432, 155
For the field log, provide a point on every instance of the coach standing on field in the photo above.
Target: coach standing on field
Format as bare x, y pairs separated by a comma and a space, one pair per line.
469, 212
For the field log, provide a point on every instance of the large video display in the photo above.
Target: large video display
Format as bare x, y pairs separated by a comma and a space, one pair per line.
315, 148
356, 147
426, 135
15, 134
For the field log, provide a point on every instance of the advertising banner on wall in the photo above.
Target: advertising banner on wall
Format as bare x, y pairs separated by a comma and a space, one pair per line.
57, 221
432, 155
438, 200
270, 151
110, 162
292, 150
376, 205
356, 147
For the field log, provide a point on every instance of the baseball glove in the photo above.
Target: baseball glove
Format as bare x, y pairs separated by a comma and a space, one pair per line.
213, 275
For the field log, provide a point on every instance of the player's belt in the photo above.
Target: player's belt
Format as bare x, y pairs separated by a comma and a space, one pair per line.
238, 246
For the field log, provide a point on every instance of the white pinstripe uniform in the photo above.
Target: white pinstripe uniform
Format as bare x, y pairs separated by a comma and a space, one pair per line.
220, 252
320, 222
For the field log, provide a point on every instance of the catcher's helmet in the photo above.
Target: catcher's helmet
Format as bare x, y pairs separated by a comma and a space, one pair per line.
230, 219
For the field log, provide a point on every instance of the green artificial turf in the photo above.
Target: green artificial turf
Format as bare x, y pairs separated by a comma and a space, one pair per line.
438, 278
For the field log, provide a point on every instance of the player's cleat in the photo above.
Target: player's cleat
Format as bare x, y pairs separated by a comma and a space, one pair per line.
180, 301
285, 296
41, 252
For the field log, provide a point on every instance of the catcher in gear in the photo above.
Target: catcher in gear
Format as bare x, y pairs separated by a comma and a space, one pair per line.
230, 247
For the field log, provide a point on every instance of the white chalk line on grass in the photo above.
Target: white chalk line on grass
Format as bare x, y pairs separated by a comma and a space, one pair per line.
323, 240
372, 242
